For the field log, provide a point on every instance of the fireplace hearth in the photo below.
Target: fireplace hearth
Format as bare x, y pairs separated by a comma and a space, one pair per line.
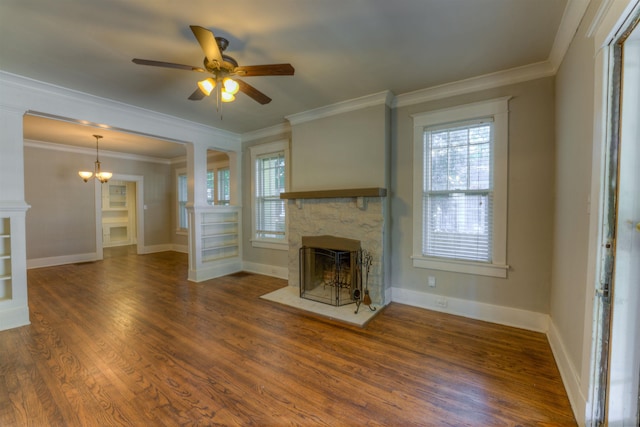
329, 270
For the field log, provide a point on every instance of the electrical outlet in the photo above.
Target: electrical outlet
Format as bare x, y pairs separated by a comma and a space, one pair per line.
431, 281
441, 302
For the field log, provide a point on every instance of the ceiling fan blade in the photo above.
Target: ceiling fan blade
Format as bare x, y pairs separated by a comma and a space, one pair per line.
264, 70
197, 95
208, 43
252, 92
167, 65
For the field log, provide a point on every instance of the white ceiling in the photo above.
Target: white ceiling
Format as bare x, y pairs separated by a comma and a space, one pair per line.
341, 50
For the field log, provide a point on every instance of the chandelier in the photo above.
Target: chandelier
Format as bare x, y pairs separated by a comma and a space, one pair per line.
97, 173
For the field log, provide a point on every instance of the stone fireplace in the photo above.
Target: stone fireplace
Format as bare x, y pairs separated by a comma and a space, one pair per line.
340, 162
347, 215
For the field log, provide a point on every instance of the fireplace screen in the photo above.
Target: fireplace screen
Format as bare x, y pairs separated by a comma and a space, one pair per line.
330, 276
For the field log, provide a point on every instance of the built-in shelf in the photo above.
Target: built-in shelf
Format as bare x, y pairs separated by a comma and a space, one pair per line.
334, 194
118, 214
220, 234
6, 285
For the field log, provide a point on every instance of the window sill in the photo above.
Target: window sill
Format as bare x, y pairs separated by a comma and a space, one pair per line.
181, 231
466, 267
266, 244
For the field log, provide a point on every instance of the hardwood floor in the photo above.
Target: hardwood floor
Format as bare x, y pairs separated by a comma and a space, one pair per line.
129, 341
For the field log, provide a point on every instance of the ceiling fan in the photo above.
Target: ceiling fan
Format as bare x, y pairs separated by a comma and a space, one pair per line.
223, 67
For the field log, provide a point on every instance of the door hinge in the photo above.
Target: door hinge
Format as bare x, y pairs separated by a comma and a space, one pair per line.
604, 291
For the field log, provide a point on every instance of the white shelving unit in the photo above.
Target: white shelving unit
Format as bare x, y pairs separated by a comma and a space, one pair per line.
215, 241
220, 234
5, 259
117, 214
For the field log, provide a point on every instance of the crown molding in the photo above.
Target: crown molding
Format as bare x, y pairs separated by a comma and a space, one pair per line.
276, 130
598, 18
89, 151
611, 19
474, 84
30, 95
571, 18
380, 98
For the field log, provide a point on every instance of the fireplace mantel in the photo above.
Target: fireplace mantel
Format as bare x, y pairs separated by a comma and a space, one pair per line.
331, 194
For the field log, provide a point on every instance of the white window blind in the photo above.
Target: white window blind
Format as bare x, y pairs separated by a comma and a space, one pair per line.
458, 191
270, 209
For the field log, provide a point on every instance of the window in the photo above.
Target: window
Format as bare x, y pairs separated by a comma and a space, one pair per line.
269, 180
182, 201
460, 157
224, 186
210, 193
218, 177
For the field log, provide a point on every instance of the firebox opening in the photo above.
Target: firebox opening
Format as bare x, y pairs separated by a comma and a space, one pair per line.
329, 271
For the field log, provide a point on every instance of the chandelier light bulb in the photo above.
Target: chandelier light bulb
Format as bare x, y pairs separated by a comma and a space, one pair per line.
97, 173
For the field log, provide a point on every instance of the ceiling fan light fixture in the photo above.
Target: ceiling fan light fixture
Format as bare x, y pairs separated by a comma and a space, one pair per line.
207, 85
226, 96
230, 86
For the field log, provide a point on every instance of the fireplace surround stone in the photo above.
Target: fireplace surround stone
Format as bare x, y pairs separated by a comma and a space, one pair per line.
346, 217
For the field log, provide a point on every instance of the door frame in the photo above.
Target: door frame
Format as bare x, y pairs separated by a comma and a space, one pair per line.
613, 20
138, 180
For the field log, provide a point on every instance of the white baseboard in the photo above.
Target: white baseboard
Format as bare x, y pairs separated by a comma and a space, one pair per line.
215, 269
90, 257
61, 260
267, 270
155, 248
184, 249
524, 319
568, 373
13, 317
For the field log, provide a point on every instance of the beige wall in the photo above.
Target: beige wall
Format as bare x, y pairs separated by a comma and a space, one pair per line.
574, 139
341, 151
530, 203
61, 220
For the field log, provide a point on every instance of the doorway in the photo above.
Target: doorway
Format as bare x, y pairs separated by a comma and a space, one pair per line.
120, 213
623, 390
617, 344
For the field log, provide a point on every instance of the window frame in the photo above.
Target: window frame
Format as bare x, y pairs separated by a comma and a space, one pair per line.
213, 169
256, 152
218, 187
498, 109
179, 229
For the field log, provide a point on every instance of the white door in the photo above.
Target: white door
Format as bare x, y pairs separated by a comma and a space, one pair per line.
614, 393
624, 361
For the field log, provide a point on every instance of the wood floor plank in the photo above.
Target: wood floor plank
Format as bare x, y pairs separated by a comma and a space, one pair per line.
129, 341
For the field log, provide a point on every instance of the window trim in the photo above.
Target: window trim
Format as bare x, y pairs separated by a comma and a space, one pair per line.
255, 152
498, 109
179, 172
